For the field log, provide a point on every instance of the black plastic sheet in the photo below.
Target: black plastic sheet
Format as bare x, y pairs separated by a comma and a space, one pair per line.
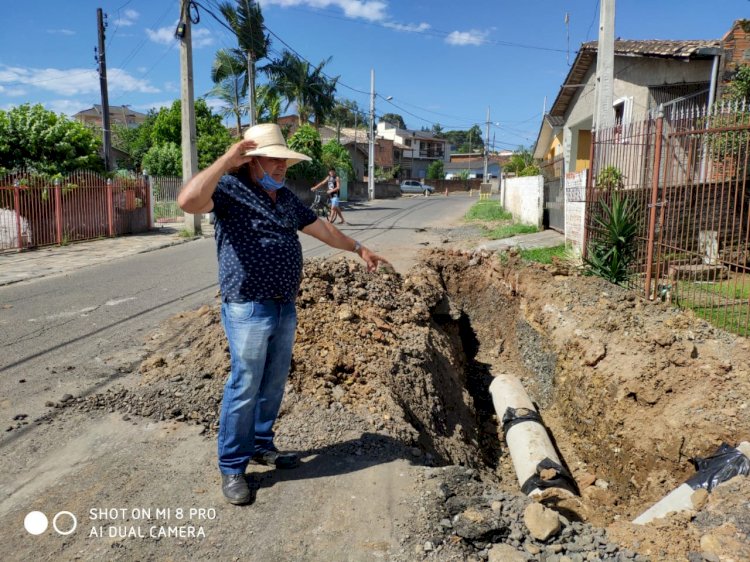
726, 463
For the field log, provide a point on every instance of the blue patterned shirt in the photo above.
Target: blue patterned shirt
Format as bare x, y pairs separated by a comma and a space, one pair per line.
260, 255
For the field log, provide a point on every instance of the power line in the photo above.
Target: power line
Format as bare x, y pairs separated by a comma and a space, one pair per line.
431, 31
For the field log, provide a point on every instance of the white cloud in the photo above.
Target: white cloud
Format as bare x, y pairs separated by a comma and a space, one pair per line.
202, 38
157, 105
408, 27
68, 107
371, 10
215, 104
73, 81
12, 91
471, 37
61, 31
165, 36
127, 18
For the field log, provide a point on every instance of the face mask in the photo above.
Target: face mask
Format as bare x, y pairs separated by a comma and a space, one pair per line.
268, 183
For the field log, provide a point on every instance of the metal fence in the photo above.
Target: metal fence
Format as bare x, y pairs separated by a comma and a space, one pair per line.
165, 190
41, 210
686, 175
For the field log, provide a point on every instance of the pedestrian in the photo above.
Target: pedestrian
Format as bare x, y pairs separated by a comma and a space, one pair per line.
333, 190
260, 269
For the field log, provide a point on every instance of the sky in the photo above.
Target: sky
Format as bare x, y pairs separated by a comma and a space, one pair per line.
442, 61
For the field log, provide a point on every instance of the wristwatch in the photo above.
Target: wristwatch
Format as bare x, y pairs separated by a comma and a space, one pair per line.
357, 247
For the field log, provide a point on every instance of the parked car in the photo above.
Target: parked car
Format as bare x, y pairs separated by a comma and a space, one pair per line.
415, 186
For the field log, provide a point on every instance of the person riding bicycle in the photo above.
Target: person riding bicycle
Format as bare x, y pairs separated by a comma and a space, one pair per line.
333, 189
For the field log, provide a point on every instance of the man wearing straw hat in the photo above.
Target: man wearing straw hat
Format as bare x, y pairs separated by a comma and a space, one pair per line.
260, 269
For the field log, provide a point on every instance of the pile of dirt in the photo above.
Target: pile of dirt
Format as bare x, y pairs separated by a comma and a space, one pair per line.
392, 365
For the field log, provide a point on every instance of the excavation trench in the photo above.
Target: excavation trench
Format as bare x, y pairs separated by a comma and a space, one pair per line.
401, 365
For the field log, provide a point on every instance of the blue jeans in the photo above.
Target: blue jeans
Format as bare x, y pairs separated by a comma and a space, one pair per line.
261, 337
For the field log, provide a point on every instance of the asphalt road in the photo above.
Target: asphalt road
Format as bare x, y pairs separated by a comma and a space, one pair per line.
74, 333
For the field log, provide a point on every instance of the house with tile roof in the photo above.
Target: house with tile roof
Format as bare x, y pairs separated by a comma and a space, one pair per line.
647, 74
118, 114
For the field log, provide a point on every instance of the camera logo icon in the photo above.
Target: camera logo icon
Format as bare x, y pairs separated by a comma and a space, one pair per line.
36, 522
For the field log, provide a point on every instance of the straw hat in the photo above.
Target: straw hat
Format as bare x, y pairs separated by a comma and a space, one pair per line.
271, 143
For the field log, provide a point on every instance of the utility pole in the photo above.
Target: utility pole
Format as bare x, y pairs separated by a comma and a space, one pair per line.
189, 150
356, 114
486, 147
605, 63
101, 59
371, 156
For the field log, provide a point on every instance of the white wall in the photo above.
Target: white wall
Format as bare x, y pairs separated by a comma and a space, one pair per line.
524, 198
575, 208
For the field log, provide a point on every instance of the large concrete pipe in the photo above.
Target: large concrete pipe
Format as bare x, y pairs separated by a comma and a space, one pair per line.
679, 499
535, 461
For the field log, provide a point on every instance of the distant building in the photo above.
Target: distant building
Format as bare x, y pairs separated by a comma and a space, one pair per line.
413, 151
119, 114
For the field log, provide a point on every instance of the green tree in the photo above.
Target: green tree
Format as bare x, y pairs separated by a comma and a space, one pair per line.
246, 20
229, 75
307, 141
163, 160
521, 163
136, 141
344, 114
393, 119
437, 130
269, 104
304, 85
739, 87
436, 171
337, 157
212, 137
467, 141
41, 140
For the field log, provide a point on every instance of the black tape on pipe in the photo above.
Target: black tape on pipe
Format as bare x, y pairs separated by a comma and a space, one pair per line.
513, 416
563, 479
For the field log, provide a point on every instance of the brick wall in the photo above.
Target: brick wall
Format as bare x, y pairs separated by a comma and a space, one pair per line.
736, 44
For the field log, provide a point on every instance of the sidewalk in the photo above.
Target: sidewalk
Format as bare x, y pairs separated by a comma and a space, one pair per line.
51, 260
543, 239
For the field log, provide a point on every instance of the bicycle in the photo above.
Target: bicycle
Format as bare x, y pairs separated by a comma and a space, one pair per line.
321, 206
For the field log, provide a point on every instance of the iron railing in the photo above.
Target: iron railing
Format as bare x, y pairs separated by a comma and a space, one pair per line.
41, 210
687, 177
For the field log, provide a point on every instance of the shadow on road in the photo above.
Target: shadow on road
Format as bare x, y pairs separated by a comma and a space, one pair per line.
341, 458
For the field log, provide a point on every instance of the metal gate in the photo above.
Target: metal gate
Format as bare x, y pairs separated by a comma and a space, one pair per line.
554, 195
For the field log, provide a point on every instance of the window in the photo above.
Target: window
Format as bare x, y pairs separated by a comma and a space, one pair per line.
623, 108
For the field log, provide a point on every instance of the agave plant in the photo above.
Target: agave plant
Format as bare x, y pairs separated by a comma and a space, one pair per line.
611, 254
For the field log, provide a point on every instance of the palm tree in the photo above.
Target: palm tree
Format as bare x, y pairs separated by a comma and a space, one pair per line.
229, 75
304, 85
246, 20
269, 104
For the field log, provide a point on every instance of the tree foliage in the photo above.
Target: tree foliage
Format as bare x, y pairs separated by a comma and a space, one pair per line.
393, 119
163, 160
344, 114
739, 87
467, 141
336, 156
522, 163
165, 126
229, 75
246, 20
307, 141
305, 85
35, 138
436, 170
